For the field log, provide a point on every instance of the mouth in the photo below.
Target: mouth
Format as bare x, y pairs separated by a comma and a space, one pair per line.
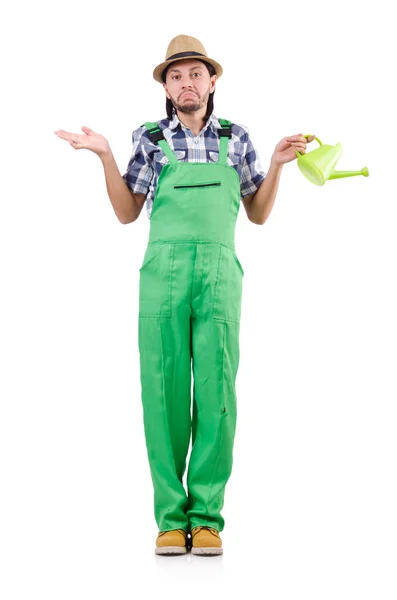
188, 94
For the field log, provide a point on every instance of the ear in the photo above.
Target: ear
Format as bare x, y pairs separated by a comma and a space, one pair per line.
213, 81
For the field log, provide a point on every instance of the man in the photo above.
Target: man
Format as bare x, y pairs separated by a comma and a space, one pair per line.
193, 170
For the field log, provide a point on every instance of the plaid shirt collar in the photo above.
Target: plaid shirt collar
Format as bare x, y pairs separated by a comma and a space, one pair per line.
212, 121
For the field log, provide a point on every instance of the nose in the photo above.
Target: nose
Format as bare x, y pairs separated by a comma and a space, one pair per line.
186, 84
187, 88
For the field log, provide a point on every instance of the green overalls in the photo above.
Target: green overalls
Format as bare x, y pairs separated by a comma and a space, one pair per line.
190, 292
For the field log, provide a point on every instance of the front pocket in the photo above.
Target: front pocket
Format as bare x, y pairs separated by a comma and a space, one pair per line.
228, 287
152, 251
155, 281
196, 185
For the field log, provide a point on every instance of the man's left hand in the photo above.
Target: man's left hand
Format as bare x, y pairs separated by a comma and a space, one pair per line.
284, 152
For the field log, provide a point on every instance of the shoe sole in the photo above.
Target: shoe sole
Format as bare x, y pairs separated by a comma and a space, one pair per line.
170, 550
207, 551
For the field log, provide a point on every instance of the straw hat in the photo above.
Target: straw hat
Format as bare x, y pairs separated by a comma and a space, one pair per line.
182, 47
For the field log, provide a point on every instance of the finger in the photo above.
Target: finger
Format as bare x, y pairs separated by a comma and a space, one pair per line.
76, 145
296, 138
67, 135
301, 138
62, 134
309, 138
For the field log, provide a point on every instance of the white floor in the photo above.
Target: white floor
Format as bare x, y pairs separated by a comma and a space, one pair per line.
308, 537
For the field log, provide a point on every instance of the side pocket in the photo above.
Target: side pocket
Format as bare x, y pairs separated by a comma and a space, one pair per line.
238, 263
155, 281
228, 286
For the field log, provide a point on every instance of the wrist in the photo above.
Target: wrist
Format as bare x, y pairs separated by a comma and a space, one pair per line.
275, 164
106, 155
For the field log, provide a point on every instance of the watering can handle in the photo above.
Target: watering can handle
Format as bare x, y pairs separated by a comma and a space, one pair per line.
307, 135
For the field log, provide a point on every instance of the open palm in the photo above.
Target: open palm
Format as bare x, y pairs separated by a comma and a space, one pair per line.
90, 140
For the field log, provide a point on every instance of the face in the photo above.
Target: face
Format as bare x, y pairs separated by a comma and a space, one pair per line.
188, 85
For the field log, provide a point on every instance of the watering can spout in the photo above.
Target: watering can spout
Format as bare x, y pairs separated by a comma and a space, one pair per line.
318, 165
339, 174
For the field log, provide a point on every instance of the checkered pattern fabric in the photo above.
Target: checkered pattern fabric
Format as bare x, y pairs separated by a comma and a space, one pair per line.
147, 158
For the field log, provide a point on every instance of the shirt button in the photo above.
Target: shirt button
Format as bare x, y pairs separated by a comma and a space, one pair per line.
196, 141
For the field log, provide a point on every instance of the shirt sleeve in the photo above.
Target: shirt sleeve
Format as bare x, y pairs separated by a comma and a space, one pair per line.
140, 171
252, 173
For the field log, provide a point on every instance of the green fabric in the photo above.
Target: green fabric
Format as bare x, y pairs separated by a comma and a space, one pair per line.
190, 293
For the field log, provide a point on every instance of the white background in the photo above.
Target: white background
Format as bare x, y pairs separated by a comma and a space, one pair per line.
310, 506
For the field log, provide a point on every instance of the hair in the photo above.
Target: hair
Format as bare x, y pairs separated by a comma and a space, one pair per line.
170, 108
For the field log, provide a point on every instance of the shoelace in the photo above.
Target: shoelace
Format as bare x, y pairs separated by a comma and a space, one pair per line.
180, 530
211, 529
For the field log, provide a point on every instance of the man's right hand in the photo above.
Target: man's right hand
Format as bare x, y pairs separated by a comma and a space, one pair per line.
89, 139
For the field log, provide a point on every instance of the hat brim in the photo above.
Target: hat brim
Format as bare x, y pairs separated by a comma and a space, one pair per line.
160, 68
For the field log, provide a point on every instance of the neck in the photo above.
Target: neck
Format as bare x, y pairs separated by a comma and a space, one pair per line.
195, 121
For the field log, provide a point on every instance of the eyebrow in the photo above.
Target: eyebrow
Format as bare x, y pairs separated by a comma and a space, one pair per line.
191, 69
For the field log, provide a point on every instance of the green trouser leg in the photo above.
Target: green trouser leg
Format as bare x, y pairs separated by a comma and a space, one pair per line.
185, 320
215, 347
166, 394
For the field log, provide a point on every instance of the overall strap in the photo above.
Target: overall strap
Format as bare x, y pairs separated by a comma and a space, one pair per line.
156, 135
224, 133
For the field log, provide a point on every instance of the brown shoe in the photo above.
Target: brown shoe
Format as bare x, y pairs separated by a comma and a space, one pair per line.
170, 543
206, 541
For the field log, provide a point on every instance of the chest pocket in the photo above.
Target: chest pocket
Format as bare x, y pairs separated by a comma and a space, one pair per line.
234, 157
180, 156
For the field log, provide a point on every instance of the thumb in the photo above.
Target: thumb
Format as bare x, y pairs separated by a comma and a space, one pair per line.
87, 130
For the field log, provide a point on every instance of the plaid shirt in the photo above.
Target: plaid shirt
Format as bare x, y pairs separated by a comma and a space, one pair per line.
147, 158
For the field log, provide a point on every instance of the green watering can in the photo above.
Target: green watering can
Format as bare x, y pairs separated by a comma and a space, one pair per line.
318, 165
